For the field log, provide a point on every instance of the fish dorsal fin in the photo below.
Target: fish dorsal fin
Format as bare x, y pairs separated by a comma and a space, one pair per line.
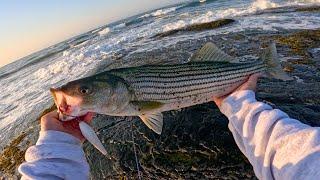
153, 121
210, 52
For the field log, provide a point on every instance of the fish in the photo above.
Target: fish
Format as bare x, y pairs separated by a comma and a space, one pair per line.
147, 91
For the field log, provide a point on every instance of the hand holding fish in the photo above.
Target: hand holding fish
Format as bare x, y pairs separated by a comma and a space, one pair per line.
250, 84
51, 121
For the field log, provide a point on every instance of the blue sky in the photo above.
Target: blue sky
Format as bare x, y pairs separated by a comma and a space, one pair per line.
31, 25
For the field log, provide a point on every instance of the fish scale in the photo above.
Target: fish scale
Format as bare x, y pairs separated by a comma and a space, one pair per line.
193, 79
186, 79
177, 70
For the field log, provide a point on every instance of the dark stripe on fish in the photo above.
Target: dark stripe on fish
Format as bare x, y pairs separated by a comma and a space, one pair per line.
210, 90
160, 82
193, 72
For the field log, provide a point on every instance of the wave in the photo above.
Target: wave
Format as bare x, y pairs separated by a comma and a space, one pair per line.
262, 4
197, 3
144, 16
176, 25
31, 60
256, 6
104, 31
107, 30
96, 30
161, 12
134, 21
122, 25
157, 13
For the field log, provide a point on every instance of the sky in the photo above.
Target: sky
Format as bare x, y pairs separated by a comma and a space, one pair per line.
28, 26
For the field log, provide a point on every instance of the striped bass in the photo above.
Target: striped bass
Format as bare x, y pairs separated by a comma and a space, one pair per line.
146, 91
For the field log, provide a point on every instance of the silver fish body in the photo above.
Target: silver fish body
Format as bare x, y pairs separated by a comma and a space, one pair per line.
146, 91
183, 85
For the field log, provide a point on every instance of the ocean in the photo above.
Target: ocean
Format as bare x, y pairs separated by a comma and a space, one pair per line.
24, 84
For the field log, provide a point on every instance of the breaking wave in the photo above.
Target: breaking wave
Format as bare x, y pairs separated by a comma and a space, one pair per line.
161, 12
104, 31
121, 25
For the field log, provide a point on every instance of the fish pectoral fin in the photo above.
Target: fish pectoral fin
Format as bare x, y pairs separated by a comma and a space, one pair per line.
210, 52
146, 105
153, 121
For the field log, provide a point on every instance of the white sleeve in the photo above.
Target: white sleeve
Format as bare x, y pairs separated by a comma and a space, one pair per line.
56, 155
277, 146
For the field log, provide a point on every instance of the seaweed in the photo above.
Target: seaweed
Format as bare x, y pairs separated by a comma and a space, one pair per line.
12, 156
300, 41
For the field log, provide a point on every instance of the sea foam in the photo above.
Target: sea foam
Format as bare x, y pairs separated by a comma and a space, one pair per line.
161, 12
104, 31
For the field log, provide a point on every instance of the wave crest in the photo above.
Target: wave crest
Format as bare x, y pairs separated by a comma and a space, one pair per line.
262, 4
161, 12
104, 31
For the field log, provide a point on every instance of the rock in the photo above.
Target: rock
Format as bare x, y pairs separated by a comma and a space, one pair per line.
308, 9
197, 27
193, 138
315, 53
209, 25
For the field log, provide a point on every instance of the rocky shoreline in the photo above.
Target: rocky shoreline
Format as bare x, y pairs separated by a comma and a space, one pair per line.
196, 143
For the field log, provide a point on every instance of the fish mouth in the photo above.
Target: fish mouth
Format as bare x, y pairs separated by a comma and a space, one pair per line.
68, 108
67, 117
63, 116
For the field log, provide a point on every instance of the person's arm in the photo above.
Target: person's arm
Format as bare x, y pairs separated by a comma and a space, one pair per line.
58, 152
277, 146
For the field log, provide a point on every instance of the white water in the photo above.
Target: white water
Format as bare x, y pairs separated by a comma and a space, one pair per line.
104, 31
160, 12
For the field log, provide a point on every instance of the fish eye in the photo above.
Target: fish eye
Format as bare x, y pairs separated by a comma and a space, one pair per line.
84, 90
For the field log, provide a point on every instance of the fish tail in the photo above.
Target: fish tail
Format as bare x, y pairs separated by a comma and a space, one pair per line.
271, 59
